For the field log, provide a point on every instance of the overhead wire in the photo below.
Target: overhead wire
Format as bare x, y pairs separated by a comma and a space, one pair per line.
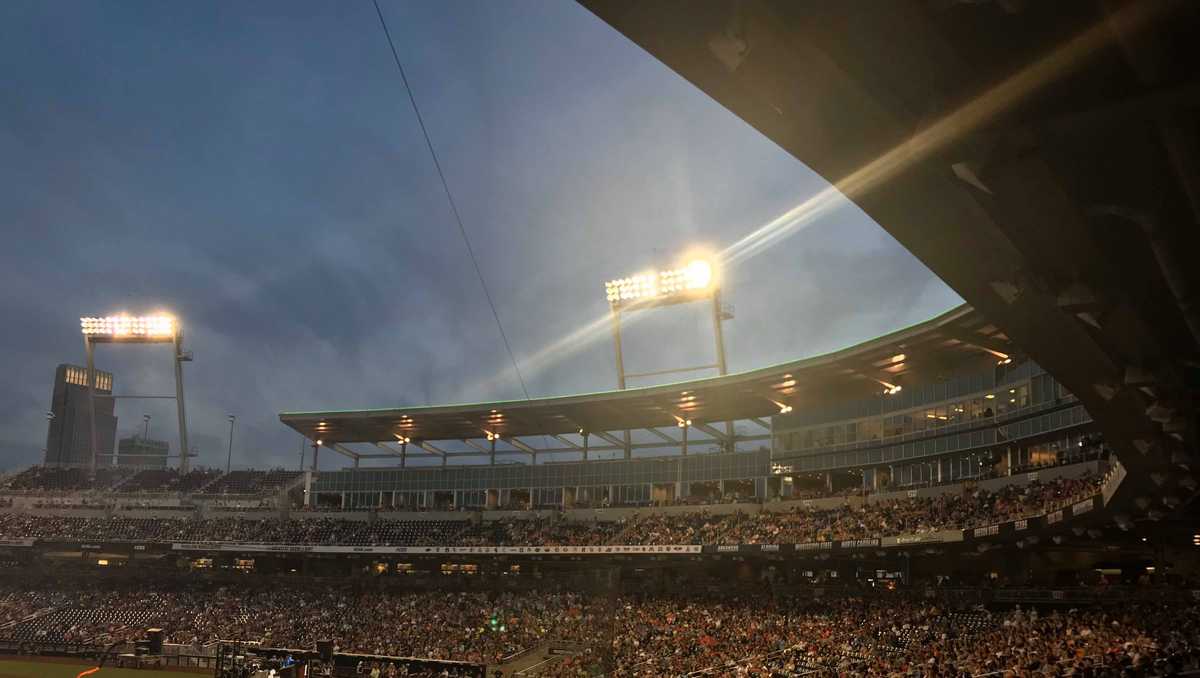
462, 230
450, 198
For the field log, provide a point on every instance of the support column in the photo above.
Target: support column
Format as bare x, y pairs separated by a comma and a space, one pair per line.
585, 446
616, 329
684, 448
492, 454
719, 337
316, 450
91, 388
403, 454
184, 451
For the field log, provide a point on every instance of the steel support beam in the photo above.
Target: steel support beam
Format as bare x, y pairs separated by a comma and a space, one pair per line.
720, 436
392, 453
430, 448
520, 445
479, 447
613, 440
344, 451
662, 435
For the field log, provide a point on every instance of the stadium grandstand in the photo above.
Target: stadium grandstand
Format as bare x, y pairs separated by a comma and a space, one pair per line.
929, 471
1006, 489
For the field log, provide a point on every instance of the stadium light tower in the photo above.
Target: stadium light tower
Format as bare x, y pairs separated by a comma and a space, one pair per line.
694, 281
124, 329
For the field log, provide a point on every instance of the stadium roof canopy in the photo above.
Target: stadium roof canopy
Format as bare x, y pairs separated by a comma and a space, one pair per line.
867, 368
1040, 157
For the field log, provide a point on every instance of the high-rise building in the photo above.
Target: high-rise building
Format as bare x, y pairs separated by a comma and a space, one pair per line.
68, 436
142, 452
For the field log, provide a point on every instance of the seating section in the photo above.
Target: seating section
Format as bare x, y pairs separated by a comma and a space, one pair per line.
266, 530
169, 480
252, 482
800, 525
63, 479
539, 532
713, 632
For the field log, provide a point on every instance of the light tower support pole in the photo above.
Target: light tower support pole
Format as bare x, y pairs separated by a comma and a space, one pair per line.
693, 282
229, 455
718, 334
616, 317
616, 329
719, 338
91, 382
180, 357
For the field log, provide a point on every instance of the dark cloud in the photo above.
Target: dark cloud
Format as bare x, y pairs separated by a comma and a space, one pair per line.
257, 169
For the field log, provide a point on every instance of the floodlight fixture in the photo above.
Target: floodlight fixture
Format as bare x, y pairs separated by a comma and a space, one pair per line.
890, 389
127, 328
693, 280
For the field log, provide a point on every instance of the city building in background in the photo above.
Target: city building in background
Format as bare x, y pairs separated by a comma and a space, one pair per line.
67, 432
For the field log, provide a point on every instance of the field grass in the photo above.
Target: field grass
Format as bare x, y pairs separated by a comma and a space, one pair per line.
28, 669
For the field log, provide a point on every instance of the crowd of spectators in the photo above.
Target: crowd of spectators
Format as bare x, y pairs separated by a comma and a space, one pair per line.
120, 480
761, 636
635, 635
316, 531
251, 482
463, 626
960, 510
169, 480
965, 510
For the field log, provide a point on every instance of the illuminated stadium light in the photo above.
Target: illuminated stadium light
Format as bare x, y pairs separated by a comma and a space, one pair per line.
694, 277
890, 389
129, 327
155, 328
